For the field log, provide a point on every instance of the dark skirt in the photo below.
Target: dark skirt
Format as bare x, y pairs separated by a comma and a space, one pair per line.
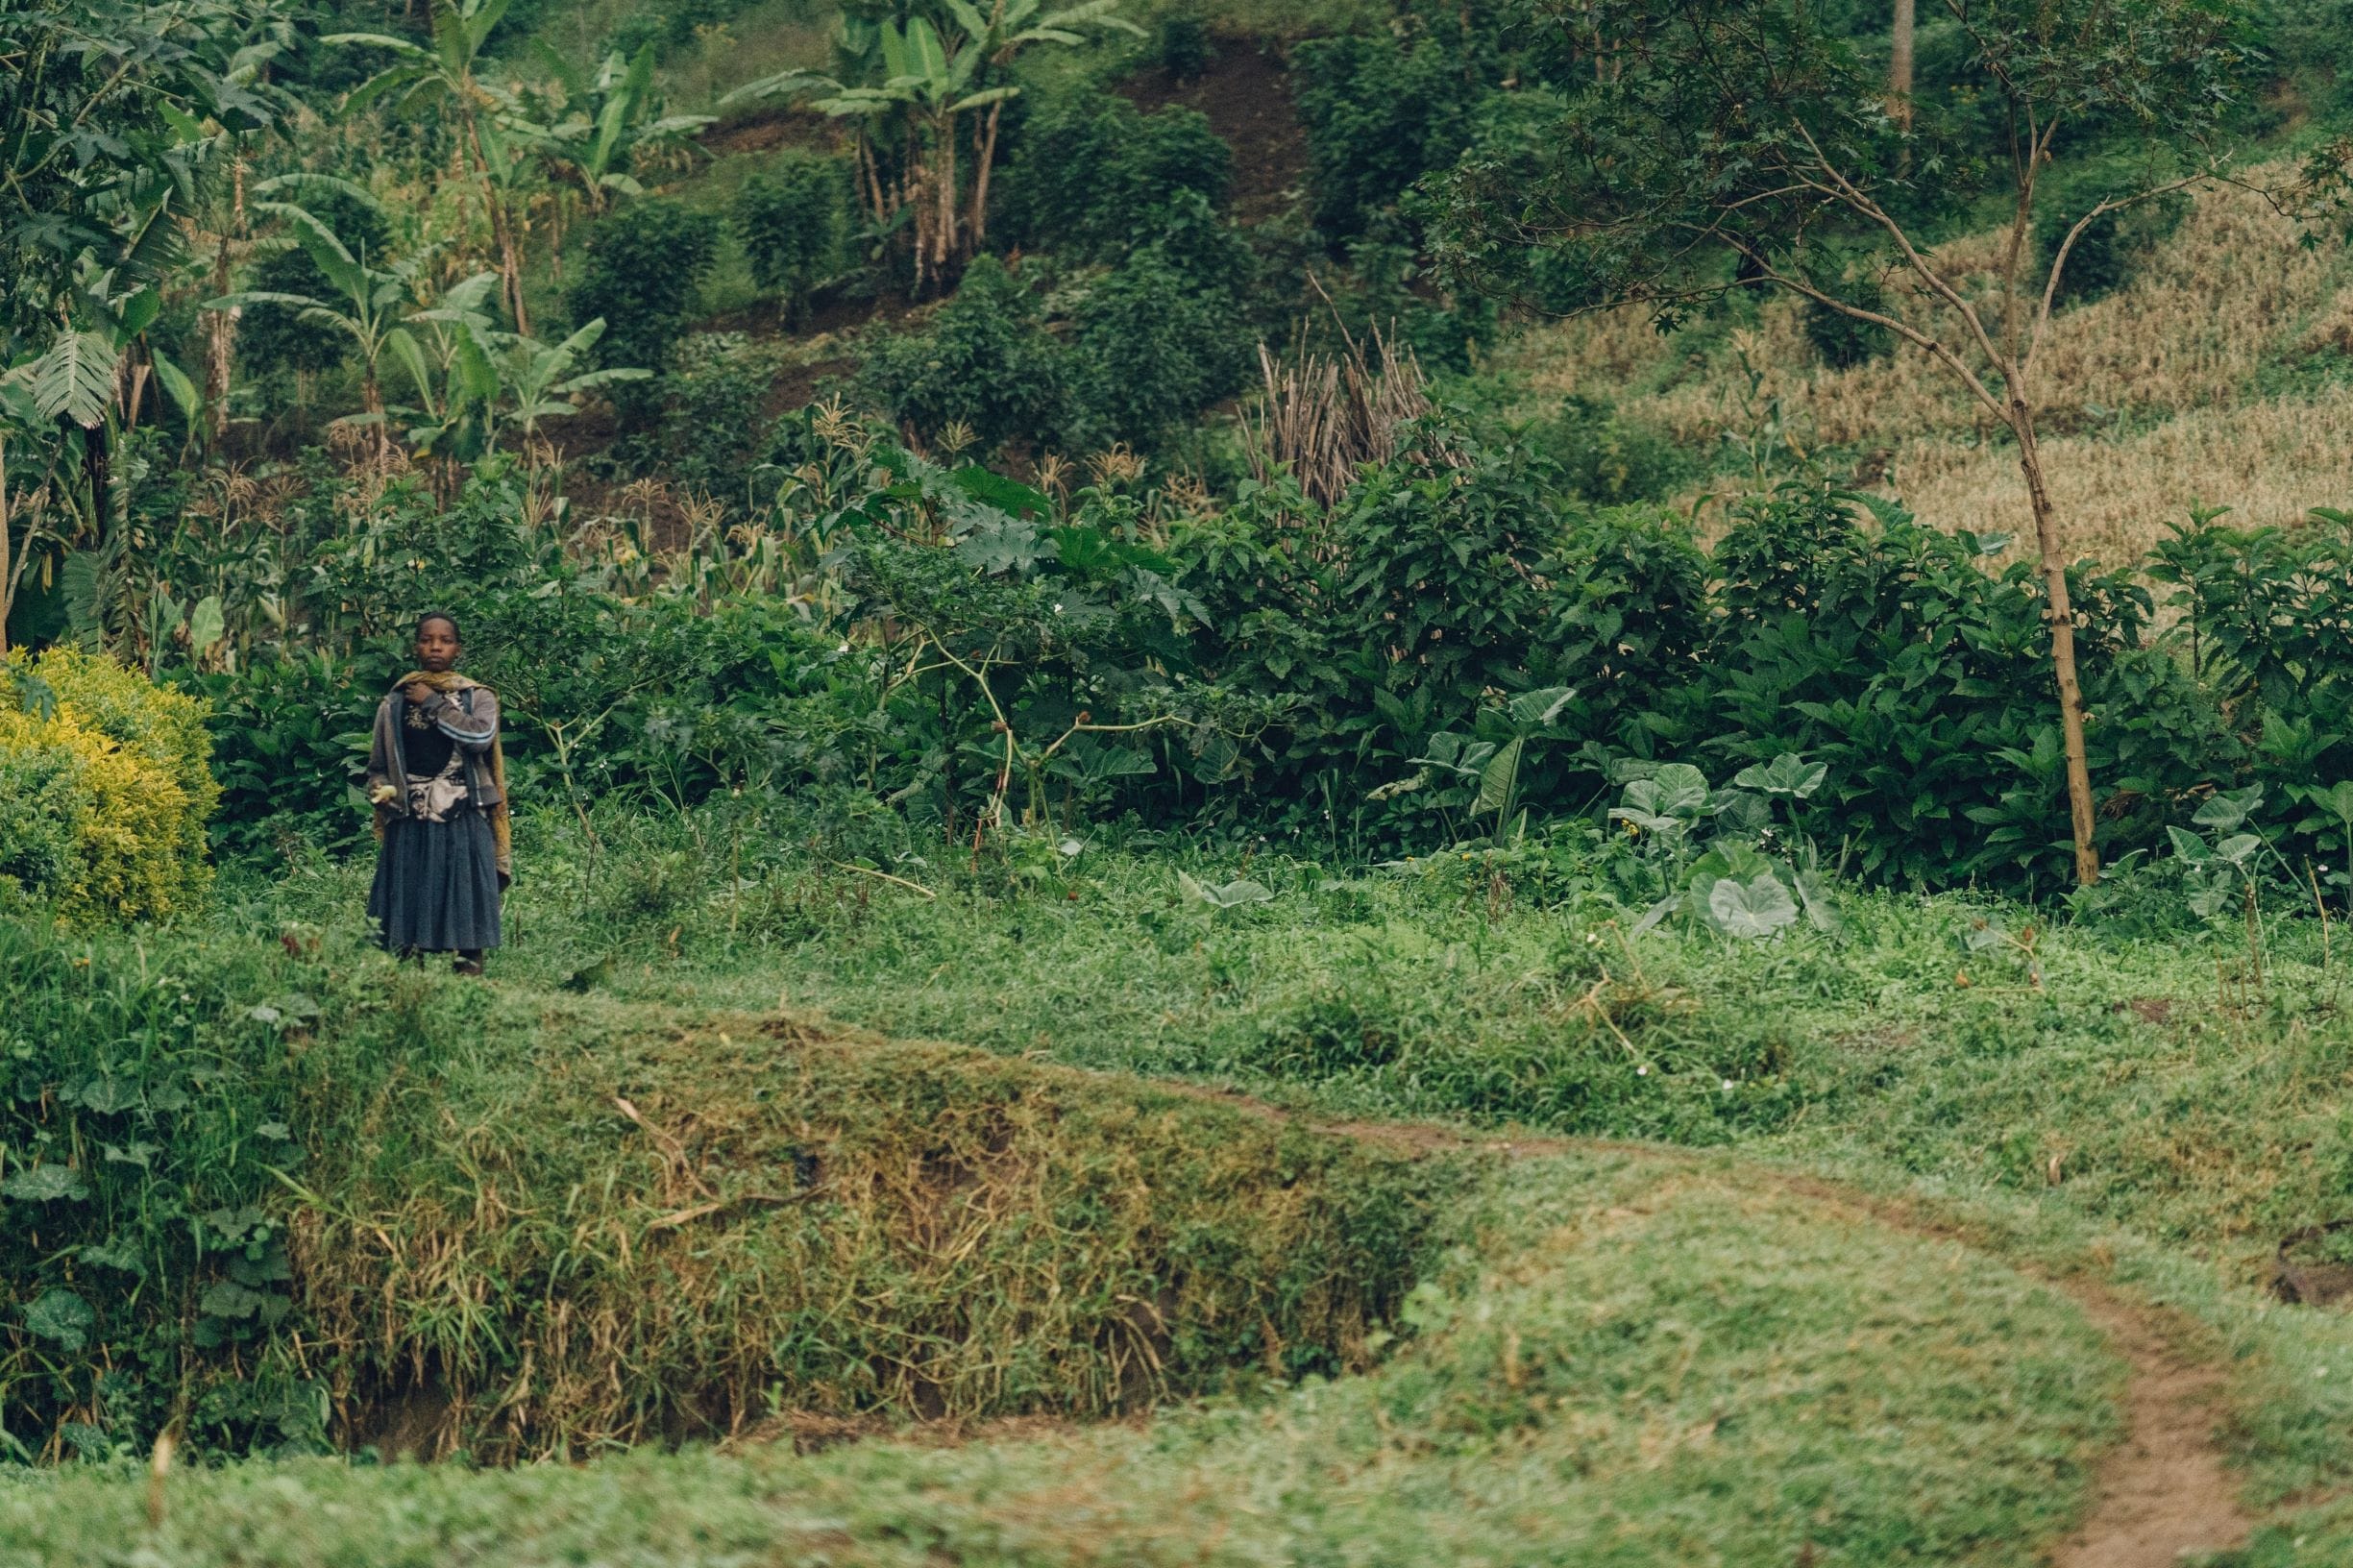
438, 885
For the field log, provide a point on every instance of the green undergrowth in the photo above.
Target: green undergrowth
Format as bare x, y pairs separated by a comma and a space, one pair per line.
282, 1194
2118, 1098
1640, 1361
2092, 1063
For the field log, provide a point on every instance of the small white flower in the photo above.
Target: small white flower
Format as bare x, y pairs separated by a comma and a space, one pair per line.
1642, 1072
1728, 1085
1058, 608
843, 649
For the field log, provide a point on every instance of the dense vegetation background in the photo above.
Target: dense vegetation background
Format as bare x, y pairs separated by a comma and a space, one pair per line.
1121, 535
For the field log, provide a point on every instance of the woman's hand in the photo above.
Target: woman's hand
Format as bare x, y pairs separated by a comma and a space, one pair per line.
418, 693
383, 794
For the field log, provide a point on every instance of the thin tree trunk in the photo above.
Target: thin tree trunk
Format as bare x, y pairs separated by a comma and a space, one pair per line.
221, 326
501, 227
371, 400
1900, 66
8, 580
2062, 643
944, 236
514, 272
980, 178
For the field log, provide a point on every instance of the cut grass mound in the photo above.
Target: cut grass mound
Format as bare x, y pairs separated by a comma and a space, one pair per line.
285, 1195
1650, 1361
679, 1232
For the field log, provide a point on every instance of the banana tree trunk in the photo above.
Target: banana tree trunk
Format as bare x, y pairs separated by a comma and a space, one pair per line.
372, 401
502, 224
2079, 802
221, 326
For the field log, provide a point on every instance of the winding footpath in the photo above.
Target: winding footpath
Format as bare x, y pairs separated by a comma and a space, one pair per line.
2163, 1493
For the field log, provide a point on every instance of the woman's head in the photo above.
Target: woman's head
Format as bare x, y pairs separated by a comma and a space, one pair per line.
437, 644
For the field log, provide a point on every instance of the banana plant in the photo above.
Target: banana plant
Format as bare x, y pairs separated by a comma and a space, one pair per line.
418, 75
477, 378
364, 307
924, 82
593, 136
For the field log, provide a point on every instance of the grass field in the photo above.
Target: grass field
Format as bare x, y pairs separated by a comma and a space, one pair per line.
1908, 1256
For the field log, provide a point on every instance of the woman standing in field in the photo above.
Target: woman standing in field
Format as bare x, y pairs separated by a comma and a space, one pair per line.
437, 780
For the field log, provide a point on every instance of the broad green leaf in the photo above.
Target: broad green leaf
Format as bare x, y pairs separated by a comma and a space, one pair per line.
2228, 810
2189, 845
1534, 710
1683, 788
177, 386
45, 1183
1500, 777
205, 623
75, 380
1751, 909
925, 59
2238, 849
61, 1317
1788, 775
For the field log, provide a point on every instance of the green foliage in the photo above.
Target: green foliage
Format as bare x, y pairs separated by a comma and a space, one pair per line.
713, 416
1091, 174
1731, 122
1604, 458
1162, 336
1181, 46
985, 362
794, 218
1380, 112
104, 789
1844, 341
644, 265
275, 336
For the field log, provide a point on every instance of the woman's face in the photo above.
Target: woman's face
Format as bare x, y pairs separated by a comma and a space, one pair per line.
436, 646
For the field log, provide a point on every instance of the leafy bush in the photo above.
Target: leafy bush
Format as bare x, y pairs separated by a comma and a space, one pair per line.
1181, 46
1606, 460
793, 219
1379, 115
104, 788
645, 264
713, 415
985, 362
1158, 338
1090, 172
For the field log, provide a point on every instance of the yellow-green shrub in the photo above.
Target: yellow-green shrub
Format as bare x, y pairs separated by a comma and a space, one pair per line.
104, 788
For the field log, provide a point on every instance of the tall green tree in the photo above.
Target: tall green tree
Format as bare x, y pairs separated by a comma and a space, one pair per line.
448, 72
919, 79
361, 302
1733, 137
110, 119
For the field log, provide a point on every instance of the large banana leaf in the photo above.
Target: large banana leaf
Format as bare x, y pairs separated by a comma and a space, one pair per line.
75, 378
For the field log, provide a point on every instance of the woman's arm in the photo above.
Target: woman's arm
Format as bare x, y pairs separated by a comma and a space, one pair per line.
475, 730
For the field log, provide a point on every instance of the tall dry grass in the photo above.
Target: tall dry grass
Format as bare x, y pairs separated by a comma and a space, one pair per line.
2185, 343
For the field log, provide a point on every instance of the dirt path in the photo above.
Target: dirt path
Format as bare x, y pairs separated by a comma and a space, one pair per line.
2163, 1491
2160, 1494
